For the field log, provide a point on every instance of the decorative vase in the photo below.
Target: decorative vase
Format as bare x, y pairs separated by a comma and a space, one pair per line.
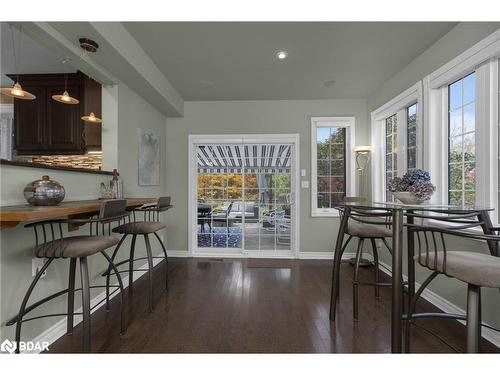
407, 197
44, 192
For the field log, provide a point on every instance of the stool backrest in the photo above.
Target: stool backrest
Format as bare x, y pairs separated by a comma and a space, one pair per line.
431, 249
112, 209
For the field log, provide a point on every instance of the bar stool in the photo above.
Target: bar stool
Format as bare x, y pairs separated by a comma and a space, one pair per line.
150, 225
51, 245
366, 225
475, 269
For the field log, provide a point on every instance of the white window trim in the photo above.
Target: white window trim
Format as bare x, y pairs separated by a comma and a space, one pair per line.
194, 140
483, 59
396, 106
350, 177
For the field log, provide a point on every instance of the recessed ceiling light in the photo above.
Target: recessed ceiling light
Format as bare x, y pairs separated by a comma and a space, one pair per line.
329, 83
206, 84
281, 55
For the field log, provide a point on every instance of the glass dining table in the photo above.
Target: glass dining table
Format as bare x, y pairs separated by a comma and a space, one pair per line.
398, 213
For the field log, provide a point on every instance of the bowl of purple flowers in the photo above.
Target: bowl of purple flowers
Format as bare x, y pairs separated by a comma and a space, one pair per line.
414, 187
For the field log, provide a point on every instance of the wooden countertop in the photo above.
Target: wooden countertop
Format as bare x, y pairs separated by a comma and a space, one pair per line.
10, 216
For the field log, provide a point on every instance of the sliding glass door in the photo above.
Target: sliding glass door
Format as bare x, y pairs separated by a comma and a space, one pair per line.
245, 198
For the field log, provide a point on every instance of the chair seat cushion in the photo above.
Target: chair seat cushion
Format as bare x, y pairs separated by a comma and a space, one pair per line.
368, 230
74, 247
468, 266
140, 227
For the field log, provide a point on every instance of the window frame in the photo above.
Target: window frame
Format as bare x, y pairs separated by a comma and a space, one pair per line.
397, 106
350, 181
484, 62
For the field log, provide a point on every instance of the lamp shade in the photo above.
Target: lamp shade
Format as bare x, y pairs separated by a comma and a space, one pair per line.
362, 149
65, 98
17, 92
91, 118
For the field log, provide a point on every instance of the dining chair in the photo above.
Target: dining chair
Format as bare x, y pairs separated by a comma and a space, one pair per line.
366, 224
476, 269
51, 244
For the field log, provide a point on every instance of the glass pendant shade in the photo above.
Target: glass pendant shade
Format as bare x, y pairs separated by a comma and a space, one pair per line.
17, 92
65, 98
91, 118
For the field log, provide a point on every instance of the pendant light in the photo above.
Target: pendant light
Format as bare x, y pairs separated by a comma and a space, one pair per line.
65, 98
89, 46
16, 91
91, 118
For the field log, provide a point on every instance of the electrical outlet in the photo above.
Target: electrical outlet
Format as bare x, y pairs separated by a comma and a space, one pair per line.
36, 265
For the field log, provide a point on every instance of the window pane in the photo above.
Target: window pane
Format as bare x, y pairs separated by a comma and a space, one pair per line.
322, 135
469, 118
469, 87
411, 136
462, 141
455, 95
390, 150
456, 122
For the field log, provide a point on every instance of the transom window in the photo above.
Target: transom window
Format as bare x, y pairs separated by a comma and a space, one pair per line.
462, 141
331, 165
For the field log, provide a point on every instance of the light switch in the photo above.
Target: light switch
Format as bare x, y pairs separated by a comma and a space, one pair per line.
303, 173
304, 184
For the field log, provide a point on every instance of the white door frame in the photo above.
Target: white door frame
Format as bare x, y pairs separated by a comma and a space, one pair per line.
195, 139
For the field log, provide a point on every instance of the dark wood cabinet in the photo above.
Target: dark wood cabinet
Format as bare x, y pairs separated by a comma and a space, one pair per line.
45, 126
29, 122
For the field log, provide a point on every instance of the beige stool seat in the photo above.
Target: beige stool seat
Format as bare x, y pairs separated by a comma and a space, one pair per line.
74, 247
368, 230
470, 267
140, 227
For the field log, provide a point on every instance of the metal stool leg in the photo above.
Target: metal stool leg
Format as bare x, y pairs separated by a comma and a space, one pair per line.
359, 253
473, 318
109, 269
123, 321
166, 258
375, 263
150, 271
71, 296
131, 263
84, 274
20, 315
411, 308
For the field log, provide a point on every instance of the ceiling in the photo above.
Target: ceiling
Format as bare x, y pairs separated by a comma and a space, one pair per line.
32, 57
236, 61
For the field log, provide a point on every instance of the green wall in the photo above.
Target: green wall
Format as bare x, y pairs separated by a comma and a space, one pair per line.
15, 268
254, 117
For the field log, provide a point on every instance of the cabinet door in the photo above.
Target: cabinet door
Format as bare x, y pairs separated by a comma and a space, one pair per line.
64, 128
29, 120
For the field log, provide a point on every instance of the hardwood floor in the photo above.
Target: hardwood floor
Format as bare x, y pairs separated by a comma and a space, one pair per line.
223, 306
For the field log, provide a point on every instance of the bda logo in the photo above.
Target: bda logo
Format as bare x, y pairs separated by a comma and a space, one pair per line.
8, 346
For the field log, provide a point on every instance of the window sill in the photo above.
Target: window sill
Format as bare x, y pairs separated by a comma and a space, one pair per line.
333, 213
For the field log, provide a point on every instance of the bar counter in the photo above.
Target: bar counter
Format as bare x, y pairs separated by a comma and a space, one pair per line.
11, 216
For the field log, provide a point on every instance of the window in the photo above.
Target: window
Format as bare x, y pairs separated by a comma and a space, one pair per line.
391, 151
462, 141
332, 139
411, 136
395, 139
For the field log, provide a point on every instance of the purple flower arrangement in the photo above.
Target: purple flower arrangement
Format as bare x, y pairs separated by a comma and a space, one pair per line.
415, 181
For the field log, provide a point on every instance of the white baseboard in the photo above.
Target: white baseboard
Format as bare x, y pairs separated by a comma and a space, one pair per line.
446, 306
56, 331
178, 253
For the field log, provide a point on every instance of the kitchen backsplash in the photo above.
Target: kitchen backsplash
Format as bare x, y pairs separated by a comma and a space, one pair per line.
88, 161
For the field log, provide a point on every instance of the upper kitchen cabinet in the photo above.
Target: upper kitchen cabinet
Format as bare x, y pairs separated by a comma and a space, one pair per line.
45, 126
